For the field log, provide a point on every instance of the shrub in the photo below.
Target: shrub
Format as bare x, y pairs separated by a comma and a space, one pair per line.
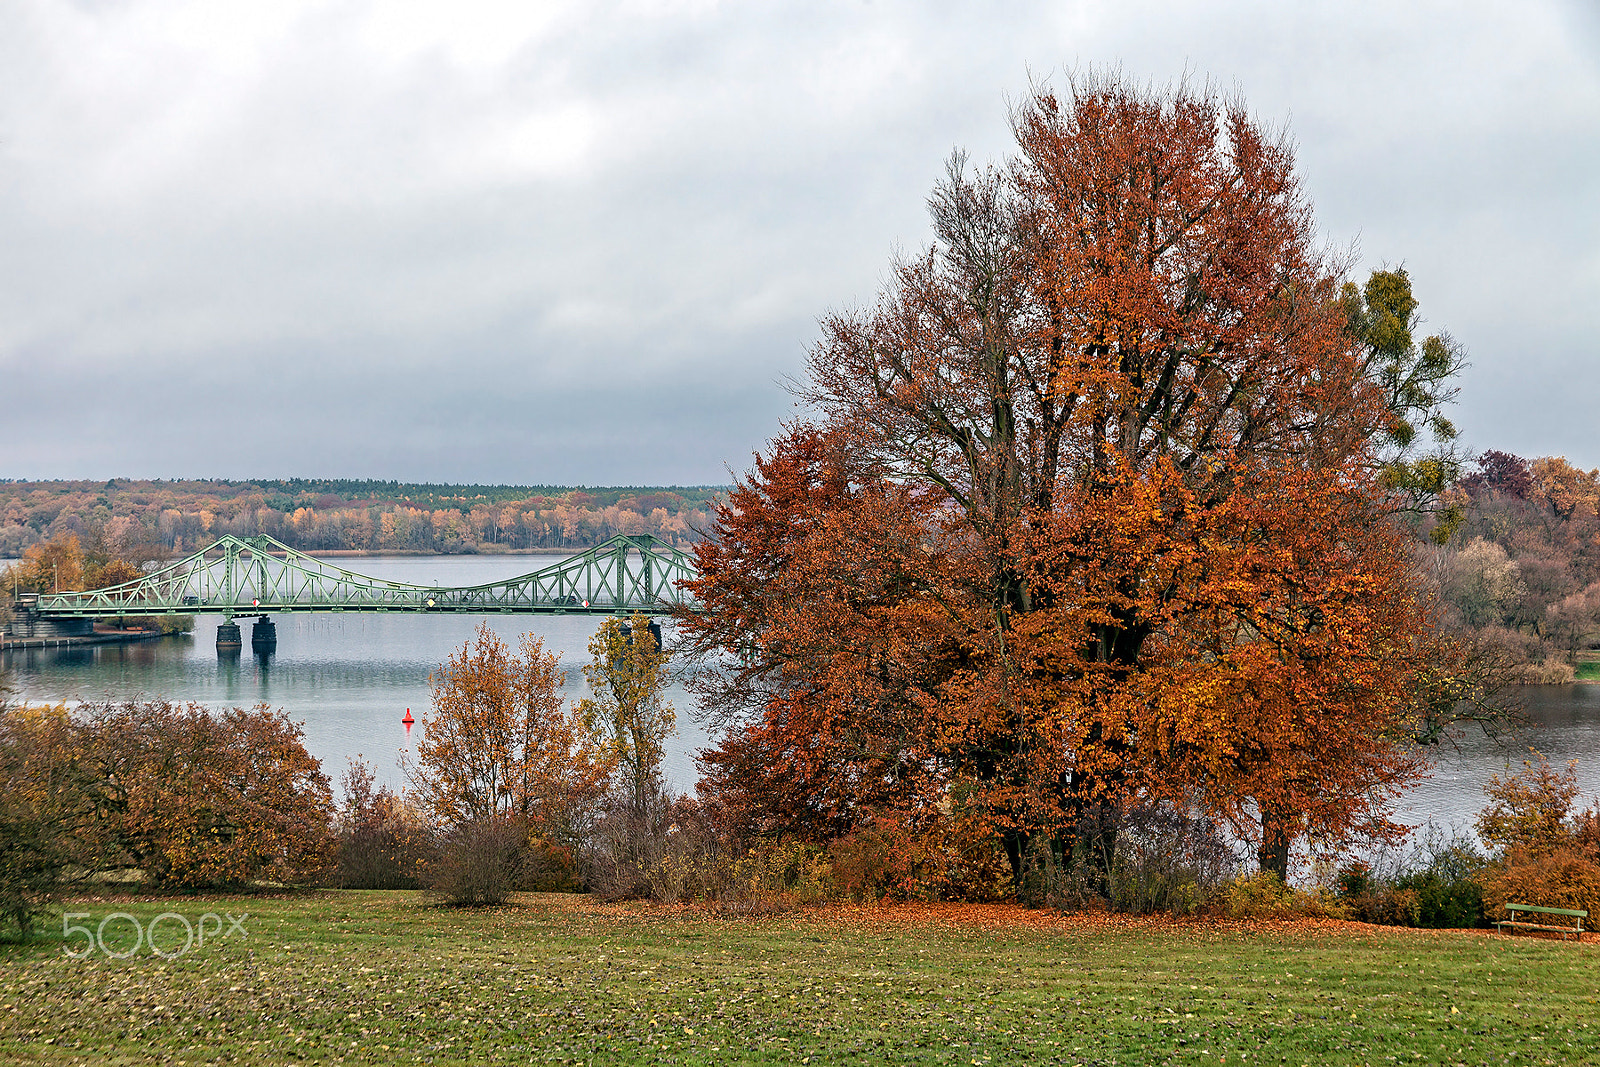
166, 624
200, 800
1259, 896
1164, 861
380, 843
1263, 895
46, 807
697, 862
1437, 885
482, 861
1168, 862
626, 844
1050, 880
1553, 671
949, 859
866, 862
1548, 854
1447, 892
191, 799
1529, 809
1586, 832
887, 860
1563, 878
780, 874
1374, 900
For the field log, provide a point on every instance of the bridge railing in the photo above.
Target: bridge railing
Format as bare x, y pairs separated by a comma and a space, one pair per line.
258, 575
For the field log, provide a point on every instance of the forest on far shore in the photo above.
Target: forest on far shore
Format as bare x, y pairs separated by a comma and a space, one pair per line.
1521, 575
340, 514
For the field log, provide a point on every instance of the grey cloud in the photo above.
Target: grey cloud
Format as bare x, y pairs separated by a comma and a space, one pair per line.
379, 241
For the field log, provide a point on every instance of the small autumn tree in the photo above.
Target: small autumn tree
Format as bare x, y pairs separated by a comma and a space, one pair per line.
628, 709
1529, 810
627, 706
1544, 852
70, 562
48, 567
501, 742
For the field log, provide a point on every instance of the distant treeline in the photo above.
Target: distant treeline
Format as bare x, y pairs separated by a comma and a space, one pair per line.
315, 513
1522, 574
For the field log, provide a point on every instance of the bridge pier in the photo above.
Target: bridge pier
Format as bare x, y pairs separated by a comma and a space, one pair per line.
655, 633
228, 636
264, 636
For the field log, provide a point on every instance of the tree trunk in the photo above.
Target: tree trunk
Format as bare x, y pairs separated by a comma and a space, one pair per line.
1016, 844
1273, 855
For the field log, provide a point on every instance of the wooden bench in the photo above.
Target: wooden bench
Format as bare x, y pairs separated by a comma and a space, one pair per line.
1576, 929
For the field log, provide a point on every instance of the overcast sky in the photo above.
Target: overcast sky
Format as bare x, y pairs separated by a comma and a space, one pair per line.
584, 243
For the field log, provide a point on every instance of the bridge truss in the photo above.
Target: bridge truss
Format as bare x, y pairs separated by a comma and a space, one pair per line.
260, 576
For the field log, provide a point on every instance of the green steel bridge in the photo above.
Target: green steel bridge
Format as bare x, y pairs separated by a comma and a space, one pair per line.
258, 576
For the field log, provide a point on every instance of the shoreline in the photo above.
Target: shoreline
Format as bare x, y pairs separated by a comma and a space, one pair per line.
107, 637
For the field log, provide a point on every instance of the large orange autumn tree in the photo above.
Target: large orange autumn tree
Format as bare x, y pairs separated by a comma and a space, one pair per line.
1096, 509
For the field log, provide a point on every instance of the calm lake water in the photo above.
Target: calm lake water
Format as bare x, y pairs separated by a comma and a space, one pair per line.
350, 678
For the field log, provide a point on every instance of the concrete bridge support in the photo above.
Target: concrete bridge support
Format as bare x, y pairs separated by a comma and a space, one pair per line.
228, 640
26, 622
263, 636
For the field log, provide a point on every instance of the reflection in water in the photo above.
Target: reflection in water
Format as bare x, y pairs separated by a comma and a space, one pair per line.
349, 679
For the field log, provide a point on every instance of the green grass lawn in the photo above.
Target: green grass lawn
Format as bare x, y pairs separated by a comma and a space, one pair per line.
387, 978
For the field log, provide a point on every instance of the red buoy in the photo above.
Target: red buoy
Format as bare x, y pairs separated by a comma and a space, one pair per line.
408, 720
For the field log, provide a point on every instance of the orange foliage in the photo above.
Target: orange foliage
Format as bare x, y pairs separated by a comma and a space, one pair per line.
1566, 489
1549, 854
46, 809
1529, 810
48, 567
501, 742
198, 799
1564, 878
1091, 517
808, 586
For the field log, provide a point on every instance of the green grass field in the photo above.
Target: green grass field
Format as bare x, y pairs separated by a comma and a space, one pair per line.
386, 978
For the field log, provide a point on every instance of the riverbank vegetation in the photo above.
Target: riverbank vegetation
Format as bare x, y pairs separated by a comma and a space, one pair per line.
1522, 574
385, 977
347, 515
95, 561
168, 796
157, 797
